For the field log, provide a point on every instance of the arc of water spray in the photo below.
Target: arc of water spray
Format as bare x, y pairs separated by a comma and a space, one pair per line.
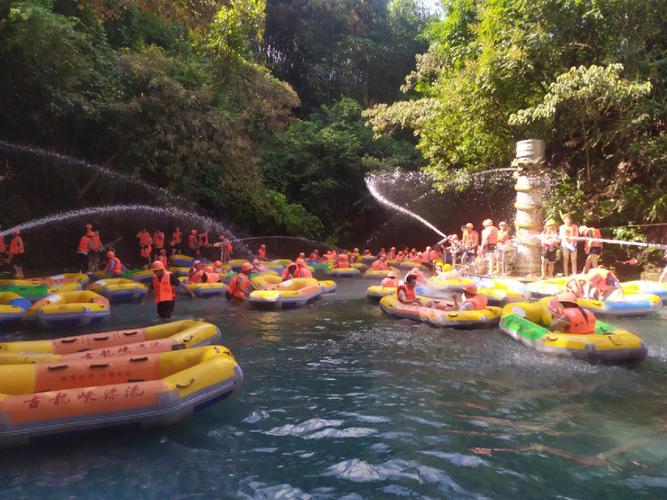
206, 222
372, 188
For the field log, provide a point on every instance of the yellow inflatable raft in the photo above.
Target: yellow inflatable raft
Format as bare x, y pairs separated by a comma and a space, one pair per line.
528, 323
376, 292
159, 338
69, 309
47, 399
645, 286
119, 289
486, 318
343, 272
80, 279
203, 290
289, 294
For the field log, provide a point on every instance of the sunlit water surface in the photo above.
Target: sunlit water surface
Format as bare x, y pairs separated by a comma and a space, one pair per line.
341, 400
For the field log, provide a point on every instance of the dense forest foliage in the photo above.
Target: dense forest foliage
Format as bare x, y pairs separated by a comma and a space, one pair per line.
269, 114
199, 97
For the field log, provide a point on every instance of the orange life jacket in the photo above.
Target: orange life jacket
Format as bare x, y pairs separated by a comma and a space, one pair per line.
85, 243
389, 283
158, 239
343, 261
503, 236
164, 291
314, 256
212, 277
581, 321
194, 276
261, 253
16, 246
114, 267
3, 245
285, 274
409, 293
306, 272
239, 286
176, 237
478, 302
378, 265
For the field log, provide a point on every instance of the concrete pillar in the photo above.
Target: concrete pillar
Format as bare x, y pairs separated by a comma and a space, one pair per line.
529, 211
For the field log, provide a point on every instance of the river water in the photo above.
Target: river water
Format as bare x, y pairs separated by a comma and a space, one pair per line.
341, 400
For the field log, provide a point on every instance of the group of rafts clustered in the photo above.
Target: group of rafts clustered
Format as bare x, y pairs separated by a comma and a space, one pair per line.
159, 374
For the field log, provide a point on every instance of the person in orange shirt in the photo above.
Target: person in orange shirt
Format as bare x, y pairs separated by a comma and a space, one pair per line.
380, 264
240, 287
569, 317
261, 252
85, 248
568, 235
193, 243
470, 243
390, 281
16, 252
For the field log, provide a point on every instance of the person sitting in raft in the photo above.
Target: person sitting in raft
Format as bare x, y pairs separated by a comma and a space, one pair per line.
569, 233
592, 246
390, 281
367, 252
208, 275
549, 245
304, 269
473, 301
261, 252
217, 267
392, 254
164, 285
380, 264
569, 317
315, 255
193, 273
601, 283
406, 293
257, 266
343, 261
290, 272
417, 274
239, 287
114, 267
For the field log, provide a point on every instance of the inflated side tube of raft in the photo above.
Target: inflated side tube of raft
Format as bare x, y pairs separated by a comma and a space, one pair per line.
644, 286
159, 338
528, 322
119, 289
378, 274
486, 318
48, 399
69, 310
343, 272
376, 292
289, 294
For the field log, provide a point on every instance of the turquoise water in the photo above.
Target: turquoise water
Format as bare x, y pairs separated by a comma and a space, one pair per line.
342, 401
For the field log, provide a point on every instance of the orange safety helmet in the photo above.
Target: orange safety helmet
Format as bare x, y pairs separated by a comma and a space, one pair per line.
247, 267
567, 298
470, 288
158, 265
110, 255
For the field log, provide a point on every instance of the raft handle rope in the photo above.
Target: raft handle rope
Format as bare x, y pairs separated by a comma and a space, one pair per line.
100, 339
69, 341
180, 386
100, 365
129, 334
57, 367
138, 360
